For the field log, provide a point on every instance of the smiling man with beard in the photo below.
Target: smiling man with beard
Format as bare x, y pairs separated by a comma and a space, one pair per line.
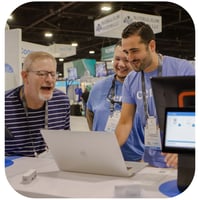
35, 105
139, 45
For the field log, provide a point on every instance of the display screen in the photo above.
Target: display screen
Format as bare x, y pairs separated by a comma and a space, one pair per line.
101, 69
72, 73
179, 131
167, 92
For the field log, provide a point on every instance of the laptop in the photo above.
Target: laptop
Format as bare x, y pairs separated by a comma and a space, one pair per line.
89, 152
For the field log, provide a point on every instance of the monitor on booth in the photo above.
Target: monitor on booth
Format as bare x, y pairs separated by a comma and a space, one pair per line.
173, 96
101, 69
179, 130
172, 91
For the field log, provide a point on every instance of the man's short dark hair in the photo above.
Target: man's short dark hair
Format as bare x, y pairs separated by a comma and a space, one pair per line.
141, 29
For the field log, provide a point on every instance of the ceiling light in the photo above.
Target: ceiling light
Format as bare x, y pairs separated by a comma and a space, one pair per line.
48, 34
61, 59
92, 52
74, 44
10, 17
105, 8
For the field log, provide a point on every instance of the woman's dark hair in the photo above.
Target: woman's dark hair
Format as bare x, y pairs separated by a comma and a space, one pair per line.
141, 29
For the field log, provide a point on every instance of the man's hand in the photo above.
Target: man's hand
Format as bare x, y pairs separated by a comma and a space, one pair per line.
171, 159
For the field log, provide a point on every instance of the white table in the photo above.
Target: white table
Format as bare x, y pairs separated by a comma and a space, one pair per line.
50, 182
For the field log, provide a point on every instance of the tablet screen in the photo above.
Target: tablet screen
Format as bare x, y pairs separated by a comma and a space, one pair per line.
179, 130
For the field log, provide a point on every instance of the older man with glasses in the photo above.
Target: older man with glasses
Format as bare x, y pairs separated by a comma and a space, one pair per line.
35, 105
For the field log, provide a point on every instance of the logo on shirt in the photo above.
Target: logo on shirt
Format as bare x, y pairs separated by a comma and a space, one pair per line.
149, 94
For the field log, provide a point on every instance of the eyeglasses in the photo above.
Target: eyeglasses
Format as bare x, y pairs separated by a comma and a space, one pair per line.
44, 74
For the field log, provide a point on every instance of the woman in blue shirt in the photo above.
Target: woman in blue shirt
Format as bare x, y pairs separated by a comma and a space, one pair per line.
104, 105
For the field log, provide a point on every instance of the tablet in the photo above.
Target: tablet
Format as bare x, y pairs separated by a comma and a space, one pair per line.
179, 130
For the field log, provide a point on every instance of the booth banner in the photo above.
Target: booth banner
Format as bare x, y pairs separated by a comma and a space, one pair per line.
62, 50
16, 50
112, 25
28, 47
12, 58
57, 50
107, 53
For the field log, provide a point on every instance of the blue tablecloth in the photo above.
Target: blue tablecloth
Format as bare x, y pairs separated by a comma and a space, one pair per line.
9, 160
169, 188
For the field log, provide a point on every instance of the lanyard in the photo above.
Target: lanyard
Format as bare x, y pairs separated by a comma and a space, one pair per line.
111, 96
26, 112
26, 109
144, 87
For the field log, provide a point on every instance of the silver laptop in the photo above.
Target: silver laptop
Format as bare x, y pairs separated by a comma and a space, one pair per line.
89, 152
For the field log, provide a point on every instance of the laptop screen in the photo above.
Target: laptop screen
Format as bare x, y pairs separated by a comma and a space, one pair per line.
179, 130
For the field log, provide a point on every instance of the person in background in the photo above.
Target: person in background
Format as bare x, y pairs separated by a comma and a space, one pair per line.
104, 104
85, 94
84, 98
139, 45
78, 94
35, 105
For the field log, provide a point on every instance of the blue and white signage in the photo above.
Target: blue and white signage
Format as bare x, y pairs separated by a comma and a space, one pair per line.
112, 25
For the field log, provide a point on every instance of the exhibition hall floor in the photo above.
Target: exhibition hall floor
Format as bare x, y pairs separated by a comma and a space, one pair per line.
78, 123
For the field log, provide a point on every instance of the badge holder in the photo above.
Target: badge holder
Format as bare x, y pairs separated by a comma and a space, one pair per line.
152, 134
112, 122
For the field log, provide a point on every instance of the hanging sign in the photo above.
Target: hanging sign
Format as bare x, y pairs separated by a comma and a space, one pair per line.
107, 53
113, 25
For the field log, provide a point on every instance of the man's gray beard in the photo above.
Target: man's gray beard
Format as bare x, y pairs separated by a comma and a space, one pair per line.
43, 98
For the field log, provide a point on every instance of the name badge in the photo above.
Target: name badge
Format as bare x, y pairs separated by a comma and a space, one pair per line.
112, 122
152, 133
